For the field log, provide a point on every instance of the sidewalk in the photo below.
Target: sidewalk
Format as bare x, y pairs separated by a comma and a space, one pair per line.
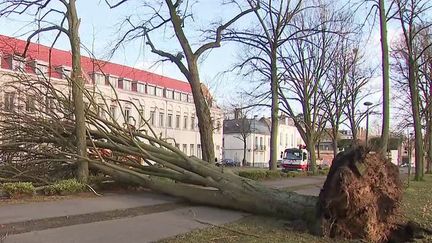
136, 217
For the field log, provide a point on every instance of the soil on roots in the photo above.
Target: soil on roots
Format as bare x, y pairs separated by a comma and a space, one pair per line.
360, 198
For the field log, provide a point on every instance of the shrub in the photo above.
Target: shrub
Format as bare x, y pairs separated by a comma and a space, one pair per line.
292, 173
272, 174
309, 173
64, 187
324, 171
254, 174
18, 189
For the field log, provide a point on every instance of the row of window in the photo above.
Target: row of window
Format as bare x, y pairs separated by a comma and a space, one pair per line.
129, 85
281, 140
19, 64
158, 118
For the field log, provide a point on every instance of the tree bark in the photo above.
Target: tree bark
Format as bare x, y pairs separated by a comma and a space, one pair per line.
418, 140
334, 141
77, 81
192, 75
310, 144
386, 78
274, 83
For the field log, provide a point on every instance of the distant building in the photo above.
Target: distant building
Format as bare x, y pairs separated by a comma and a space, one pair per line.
257, 139
167, 103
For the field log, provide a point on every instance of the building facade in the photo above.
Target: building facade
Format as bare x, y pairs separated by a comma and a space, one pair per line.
132, 95
257, 138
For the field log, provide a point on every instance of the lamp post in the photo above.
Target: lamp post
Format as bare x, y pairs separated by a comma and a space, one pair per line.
367, 104
253, 141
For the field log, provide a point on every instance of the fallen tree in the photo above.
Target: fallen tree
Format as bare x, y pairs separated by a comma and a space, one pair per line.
361, 188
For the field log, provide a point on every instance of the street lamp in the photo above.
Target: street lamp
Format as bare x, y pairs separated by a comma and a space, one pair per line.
253, 141
367, 104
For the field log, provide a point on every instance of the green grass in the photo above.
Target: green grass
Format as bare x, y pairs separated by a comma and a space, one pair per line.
416, 205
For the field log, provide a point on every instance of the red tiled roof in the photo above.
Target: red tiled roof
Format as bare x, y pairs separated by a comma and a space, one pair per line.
10, 45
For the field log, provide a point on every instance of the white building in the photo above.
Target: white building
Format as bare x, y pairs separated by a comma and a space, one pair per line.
257, 135
167, 103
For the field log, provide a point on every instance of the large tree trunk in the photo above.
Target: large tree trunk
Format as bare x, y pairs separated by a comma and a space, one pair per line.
274, 89
386, 78
418, 140
203, 114
77, 81
429, 145
334, 140
310, 145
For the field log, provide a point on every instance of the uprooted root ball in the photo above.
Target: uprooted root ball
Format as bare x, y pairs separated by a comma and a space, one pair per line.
360, 197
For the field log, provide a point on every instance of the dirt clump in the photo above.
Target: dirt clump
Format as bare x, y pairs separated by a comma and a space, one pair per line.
360, 198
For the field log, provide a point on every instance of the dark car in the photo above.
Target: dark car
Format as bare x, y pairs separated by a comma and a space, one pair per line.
230, 162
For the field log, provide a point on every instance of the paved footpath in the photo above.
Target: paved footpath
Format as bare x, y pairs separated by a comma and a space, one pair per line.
142, 227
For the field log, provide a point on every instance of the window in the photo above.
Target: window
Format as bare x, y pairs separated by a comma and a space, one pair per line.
199, 151
151, 90
190, 98
152, 117
99, 79
256, 143
127, 85
185, 124
286, 140
280, 139
170, 117
141, 116
218, 126
178, 121
161, 119
30, 103
261, 143
18, 64
113, 112
141, 88
159, 92
112, 81
192, 149
127, 115
192, 122
183, 97
185, 148
176, 95
41, 69
169, 94
120, 83
9, 101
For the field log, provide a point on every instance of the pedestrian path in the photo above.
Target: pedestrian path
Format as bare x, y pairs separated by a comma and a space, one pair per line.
135, 217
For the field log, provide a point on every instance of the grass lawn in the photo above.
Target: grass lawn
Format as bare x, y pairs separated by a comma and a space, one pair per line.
417, 206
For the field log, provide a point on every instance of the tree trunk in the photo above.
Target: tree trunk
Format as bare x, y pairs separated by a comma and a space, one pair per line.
429, 145
334, 141
244, 151
244, 194
203, 114
418, 140
386, 79
274, 113
77, 81
310, 144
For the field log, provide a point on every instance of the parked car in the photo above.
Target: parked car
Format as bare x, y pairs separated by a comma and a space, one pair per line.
230, 162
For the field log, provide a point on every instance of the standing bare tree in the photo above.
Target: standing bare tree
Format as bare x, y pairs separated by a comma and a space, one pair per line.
263, 44
306, 61
412, 16
335, 89
385, 133
175, 16
46, 8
